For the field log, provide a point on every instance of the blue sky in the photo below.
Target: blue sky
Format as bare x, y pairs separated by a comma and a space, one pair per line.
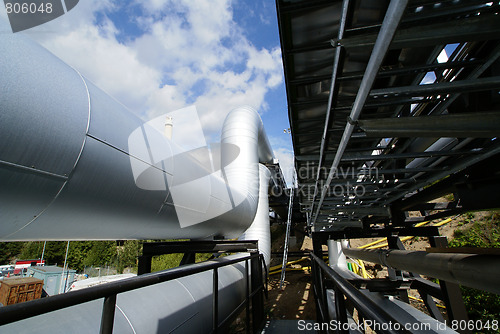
157, 56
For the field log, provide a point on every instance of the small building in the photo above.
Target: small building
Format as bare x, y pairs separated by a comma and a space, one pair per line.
55, 281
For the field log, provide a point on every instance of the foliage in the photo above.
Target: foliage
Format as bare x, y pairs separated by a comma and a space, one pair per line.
55, 251
480, 305
83, 254
128, 254
168, 261
9, 251
480, 234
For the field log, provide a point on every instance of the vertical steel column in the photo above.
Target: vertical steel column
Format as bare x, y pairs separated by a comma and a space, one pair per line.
144, 264
391, 21
395, 243
453, 300
188, 258
108, 315
257, 297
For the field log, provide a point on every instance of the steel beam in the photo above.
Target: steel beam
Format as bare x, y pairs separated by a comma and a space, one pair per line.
485, 154
389, 26
478, 28
441, 88
472, 125
407, 155
336, 63
423, 231
476, 271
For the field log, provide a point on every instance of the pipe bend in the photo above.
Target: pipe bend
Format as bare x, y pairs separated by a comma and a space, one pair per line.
245, 124
243, 129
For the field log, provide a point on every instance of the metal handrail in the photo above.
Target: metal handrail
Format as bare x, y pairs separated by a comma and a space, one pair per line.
109, 291
365, 306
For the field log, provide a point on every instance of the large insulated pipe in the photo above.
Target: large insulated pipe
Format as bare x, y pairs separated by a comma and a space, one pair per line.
475, 271
182, 305
77, 165
259, 230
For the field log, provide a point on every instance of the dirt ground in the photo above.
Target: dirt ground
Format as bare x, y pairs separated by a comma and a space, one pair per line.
295, 300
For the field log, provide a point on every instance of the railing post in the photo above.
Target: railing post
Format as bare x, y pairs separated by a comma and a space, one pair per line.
315, 285
144, 265
257, 298
340, 310
108, 315
215, 301
247, 297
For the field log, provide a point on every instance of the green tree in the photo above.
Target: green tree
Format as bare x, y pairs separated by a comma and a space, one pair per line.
128, 254
100, 253
9, 251
55, 251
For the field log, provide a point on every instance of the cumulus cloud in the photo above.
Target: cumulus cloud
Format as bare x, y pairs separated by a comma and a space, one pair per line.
187, 52
157, 56
285, 156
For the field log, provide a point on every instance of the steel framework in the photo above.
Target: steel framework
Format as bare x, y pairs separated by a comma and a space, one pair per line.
393, 106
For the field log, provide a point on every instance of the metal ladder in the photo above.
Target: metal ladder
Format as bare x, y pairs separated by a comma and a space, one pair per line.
287, 234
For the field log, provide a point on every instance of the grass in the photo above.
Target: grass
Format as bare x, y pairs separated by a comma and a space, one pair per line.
482, 306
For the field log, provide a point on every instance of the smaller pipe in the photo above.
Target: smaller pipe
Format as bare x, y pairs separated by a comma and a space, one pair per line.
473, 270
336, 62
335, 255
391, 21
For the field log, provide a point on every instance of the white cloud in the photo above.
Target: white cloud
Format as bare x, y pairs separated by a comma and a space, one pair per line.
183, 53
286, 162
285, 156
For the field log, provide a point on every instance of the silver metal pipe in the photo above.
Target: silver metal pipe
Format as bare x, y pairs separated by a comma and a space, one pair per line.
259, 230
67, 174
182, 305
336, 61
476, 271
391, 21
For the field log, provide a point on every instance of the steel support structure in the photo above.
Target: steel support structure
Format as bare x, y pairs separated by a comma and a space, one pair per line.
391, 21
474, 270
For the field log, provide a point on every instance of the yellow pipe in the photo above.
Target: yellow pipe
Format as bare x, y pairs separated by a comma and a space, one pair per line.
371, 244
288, 263
291, 269
385, 239
420, 300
